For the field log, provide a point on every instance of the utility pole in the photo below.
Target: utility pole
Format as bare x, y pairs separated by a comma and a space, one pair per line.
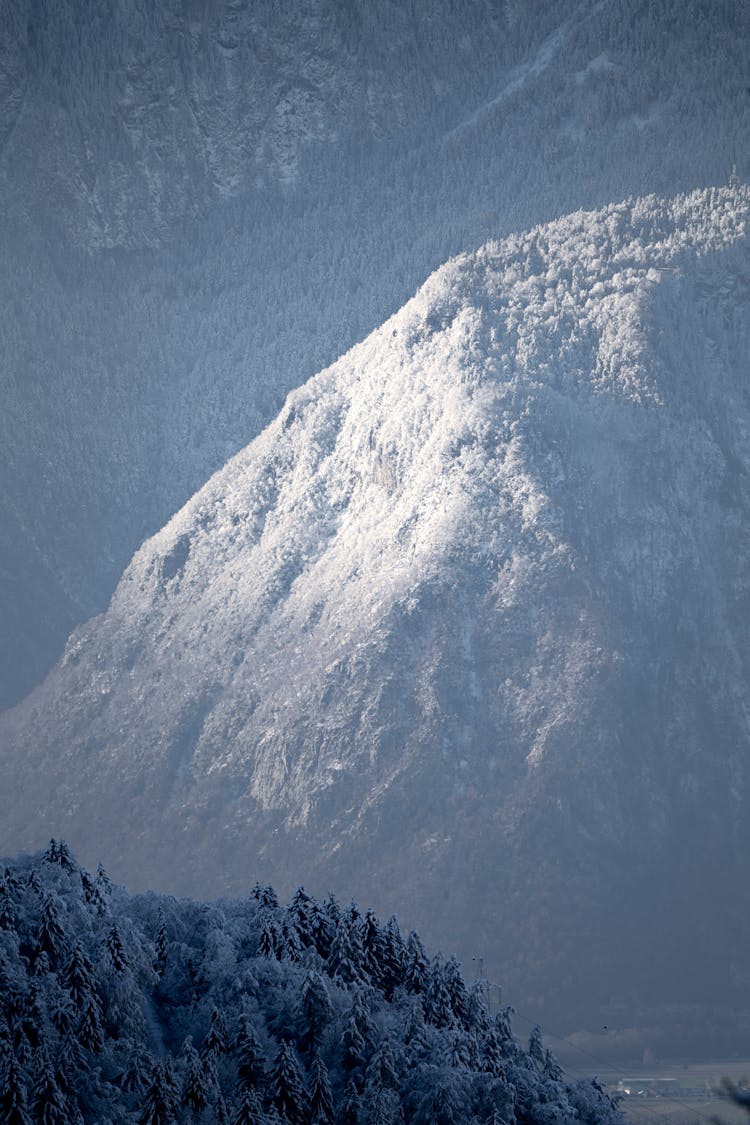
487, 986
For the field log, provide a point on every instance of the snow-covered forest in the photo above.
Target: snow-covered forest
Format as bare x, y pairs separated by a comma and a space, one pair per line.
117, 1008
204, 204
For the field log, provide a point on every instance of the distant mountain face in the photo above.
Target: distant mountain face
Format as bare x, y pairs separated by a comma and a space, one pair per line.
204, 204
133, 117
465, 628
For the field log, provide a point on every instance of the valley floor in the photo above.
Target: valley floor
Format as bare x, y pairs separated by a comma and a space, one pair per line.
691, 1100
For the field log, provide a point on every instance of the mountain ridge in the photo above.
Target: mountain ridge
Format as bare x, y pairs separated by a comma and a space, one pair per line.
166, 282
474, 602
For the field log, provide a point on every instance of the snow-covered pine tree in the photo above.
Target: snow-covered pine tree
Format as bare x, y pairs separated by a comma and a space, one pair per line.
392, 974
250, 1057
456, 989
373, 950
89, 1031
48, 1102
265, 896
415, 1030
437, 1002
299, 912
291, 946
195, 1089
216, 1041
13, 1093
321, 928
381, 1070
342, 963
351, 1104
314, 1012
7, 907
78, 976
161, 943
103, 882
269, 940
416, 965
158, 1102
115, 950
320, 1096
249, 1110
50, 937
137, 1074
286, 1085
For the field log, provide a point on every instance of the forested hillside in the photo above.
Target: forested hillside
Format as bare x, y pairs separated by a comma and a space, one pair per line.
204, 204
150, 1009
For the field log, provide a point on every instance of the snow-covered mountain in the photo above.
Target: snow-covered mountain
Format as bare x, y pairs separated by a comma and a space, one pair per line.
465, 629
204, 204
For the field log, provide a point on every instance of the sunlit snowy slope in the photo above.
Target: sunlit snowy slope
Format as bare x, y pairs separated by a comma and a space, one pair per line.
203, 204
465, 629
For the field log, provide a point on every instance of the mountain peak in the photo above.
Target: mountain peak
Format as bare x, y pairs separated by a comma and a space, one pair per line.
449, 609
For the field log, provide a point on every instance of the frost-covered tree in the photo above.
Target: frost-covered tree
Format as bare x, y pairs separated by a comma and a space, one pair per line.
50, 936
342, 960
249, 1110
115, 950
290, 944
250, 1057
158, 1102
286, 1086
78, 976
321, 927
415, 1031
438, 1009
265, 895
299, 911
381, 1070
89, 1032
269, 940
103, 882
320, 1096
314, 1011
351, 1104
373, 949
161, 943
216, 1041
394, 952
195, 1088
7, 907
458, 995
138, 1071
416, 964
48, 1103
13, 1093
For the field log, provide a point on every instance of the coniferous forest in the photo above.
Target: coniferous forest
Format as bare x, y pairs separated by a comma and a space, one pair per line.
157, 1010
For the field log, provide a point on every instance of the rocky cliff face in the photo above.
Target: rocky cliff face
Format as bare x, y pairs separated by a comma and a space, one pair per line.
464, 628
204, 204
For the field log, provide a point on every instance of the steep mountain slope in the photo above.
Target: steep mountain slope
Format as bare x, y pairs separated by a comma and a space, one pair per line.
464, 629
205, 204
148, 1009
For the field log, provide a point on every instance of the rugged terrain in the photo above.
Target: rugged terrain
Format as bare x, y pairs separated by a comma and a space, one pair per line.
204, 204
463, 630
